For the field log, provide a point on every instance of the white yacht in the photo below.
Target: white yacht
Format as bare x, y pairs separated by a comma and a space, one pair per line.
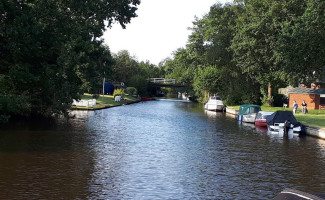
214, 104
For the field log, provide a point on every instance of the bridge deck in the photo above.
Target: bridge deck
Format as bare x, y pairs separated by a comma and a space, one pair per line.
164, 82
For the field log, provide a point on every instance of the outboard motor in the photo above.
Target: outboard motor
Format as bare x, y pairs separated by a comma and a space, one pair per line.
286, 127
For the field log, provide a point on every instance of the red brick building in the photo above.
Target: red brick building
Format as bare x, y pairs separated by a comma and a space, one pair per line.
315, 98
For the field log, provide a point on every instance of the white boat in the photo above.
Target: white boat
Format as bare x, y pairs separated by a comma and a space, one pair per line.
261, 116
214, 104
283, 122
248, 112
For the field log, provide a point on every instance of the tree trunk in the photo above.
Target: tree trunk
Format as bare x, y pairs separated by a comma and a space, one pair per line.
269, 94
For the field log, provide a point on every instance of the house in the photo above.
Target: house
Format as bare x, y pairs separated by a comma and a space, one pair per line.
315, 98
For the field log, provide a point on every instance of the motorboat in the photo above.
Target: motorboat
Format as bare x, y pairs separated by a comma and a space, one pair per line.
214, 104
283, 122
248, 112
260, 119
146, 98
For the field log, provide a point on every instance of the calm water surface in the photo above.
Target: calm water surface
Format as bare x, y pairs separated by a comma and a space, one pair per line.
154, 150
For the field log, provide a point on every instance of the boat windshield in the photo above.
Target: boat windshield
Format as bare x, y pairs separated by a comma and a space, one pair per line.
215, 97
263, 114
254, 109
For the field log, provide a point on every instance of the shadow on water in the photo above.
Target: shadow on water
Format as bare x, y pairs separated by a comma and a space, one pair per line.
154, 150
44, 159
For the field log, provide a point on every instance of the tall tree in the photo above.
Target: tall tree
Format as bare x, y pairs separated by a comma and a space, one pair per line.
301, 41
218, 73
47, 47
257, 40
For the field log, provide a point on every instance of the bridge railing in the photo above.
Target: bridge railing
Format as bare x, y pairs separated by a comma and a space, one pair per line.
162, 80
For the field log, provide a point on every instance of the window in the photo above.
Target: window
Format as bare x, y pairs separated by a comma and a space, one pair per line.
322, 100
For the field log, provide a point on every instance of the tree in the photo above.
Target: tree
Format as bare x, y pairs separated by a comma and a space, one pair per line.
301, 42
133, 73
47, 49
125, 67
259, 36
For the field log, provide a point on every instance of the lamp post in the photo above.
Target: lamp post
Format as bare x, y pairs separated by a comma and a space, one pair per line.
104, 64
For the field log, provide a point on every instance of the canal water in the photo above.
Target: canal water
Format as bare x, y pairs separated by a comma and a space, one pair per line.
154, 150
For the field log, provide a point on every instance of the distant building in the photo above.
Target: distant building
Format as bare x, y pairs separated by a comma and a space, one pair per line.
315, 98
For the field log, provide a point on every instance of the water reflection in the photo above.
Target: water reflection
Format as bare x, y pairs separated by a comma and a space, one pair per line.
155, 150
46, 162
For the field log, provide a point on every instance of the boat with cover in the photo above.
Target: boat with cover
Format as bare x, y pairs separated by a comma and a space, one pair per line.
248, 112
214, 104
260, 119
283, 122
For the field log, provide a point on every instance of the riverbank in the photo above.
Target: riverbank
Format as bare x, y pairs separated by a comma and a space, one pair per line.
106, 101
314, 120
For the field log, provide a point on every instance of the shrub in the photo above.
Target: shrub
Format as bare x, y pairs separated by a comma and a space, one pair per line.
11, 105
131, 90
118, 92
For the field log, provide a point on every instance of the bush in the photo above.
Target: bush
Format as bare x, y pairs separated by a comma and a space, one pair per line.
14, 105
279, 100
118, 92
131, 90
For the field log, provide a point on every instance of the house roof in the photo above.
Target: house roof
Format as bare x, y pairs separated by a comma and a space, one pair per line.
302, 90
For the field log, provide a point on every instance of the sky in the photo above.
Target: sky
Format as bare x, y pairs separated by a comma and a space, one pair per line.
160, 28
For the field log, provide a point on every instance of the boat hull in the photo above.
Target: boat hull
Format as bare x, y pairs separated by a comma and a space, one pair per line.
280, 127
261, 123
214, 105
146, 98
249, 118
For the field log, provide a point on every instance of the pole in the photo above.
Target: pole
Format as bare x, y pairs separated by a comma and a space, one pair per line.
104, 65
103, 86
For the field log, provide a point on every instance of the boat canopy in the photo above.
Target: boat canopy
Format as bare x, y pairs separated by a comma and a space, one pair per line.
281, 117
248, 109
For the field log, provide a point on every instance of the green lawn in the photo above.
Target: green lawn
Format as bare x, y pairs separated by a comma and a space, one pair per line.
108, 100
315, 118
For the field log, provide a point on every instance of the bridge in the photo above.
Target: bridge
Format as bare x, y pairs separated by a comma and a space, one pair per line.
164, 82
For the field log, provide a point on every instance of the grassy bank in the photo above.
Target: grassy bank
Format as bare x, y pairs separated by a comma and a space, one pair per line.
315, 118
107, 101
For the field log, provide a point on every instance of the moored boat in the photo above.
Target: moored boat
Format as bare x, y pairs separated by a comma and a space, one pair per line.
214, 104
146, 98
260, 119
283, 122
247, 113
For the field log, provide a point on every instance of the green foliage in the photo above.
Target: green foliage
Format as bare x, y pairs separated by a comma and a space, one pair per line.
14, 105
134, 74
245, 51
51, 52
131, 90
299, 42
118, 92
208, 79
207, 63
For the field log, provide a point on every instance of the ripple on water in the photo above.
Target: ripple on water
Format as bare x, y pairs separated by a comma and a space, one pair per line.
156, 150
